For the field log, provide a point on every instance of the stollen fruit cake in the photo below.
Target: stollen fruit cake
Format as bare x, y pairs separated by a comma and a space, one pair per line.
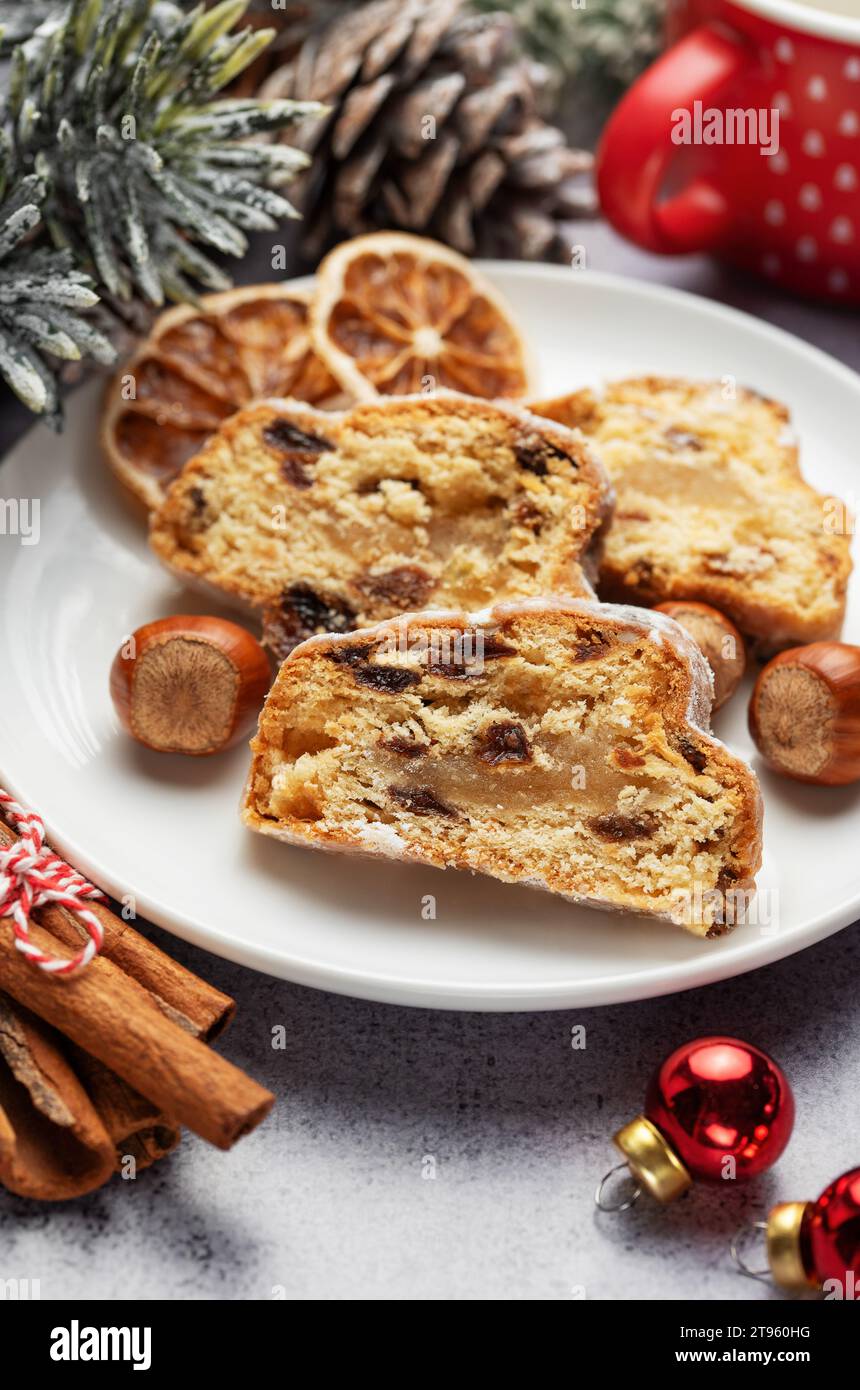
558, 743
331, 521
712, 506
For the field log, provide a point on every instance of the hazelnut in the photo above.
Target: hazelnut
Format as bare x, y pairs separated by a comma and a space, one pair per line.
719, 640
804, 713
189, 684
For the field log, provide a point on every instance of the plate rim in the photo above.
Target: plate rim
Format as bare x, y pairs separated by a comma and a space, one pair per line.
731, 958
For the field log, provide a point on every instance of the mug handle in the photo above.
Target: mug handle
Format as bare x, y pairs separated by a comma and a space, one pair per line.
637, 149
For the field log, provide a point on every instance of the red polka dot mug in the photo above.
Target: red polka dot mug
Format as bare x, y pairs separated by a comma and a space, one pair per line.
743, 139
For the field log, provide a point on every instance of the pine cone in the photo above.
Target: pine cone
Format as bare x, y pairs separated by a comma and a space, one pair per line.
434, 127
292, 21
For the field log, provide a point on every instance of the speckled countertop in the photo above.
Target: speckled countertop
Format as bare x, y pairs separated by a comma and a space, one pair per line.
328, 1199
422, 1155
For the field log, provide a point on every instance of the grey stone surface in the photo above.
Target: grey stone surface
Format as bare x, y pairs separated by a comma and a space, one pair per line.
327, 1200
332, 1198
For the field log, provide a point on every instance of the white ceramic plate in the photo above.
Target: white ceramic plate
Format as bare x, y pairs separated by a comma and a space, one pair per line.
165, 831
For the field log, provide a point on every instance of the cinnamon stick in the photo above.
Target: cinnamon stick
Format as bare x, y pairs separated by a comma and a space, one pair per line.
136, 1127
190, 1001
52, 1143
114, 1018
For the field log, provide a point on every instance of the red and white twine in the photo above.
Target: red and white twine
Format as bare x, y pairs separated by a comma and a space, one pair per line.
31, 876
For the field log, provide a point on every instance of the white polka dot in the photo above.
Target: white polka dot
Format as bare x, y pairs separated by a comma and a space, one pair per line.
842, 229
784, 50
778, 162
816, 88
845, 177
852, 70
807, 249
782, 102
774, 212
849, 123
809, 197
770, 264
813, 143
838, 280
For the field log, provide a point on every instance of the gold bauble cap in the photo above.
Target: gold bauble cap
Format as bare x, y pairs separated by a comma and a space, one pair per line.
651, 1159
784, 1248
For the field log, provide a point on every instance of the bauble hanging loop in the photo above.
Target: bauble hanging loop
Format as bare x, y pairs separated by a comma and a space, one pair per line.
630, 1200
737, 1247
717, 1109
814, 1244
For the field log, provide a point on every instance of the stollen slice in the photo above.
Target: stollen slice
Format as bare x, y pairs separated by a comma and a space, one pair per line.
551, 742
327, 522
712, 506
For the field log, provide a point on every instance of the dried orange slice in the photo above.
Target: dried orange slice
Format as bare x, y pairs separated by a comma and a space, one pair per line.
394, 314
197, 366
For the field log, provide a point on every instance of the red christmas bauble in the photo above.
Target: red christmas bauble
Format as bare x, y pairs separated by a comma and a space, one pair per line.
717, 1098
831, 1230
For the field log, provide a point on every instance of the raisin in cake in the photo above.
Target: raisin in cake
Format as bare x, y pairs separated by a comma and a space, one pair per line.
327, 522
712, 506
553, 742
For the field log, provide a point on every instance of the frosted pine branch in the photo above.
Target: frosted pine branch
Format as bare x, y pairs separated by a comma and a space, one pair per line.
117, 106
42, 296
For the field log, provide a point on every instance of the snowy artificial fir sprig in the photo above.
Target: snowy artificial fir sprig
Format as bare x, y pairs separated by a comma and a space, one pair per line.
43, 296
20, 18
611, 39
136, 170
